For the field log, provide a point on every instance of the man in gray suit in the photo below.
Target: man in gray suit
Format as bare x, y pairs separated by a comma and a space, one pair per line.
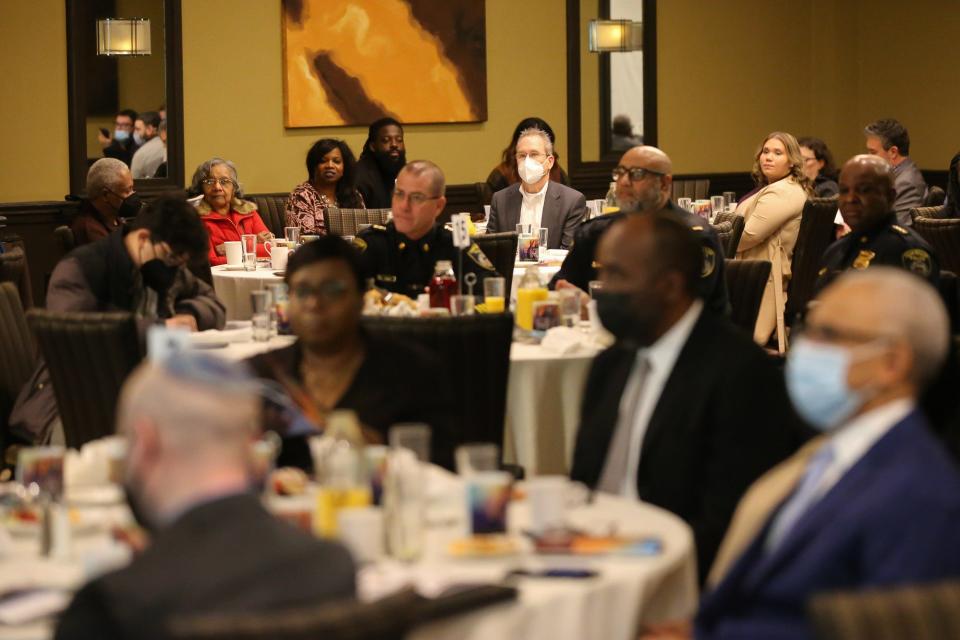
538, 201
889, 139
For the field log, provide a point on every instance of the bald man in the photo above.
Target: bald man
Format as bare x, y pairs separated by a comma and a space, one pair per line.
189, 425
867, 198
644, 184
872, 503
684, 411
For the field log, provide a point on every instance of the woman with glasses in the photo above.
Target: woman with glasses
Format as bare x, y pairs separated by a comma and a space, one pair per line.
818, 166
223, 211
771, 223
335, 364
331, 182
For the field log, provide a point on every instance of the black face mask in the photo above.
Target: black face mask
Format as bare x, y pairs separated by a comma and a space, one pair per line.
130, 207
620, 316
158, 275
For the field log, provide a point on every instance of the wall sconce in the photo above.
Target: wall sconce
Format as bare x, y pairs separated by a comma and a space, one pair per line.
615, 35
123, 37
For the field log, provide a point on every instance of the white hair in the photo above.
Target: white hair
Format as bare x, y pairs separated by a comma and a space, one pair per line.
105, 173
532, 132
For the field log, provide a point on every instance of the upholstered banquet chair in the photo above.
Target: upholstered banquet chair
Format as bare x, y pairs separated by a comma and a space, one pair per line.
346, 222
475, 352
928, 212
746, 280
815, 235
944, 236
934, 197
731, 240
272, 210
501, 250
695, 189
13, 268
89, 356
17, 353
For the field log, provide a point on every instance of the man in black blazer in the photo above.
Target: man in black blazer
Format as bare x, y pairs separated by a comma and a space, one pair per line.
189, 424
537, 200
684, 411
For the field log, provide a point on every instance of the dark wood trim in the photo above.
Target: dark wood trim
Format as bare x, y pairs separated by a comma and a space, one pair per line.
77, 101
34, 222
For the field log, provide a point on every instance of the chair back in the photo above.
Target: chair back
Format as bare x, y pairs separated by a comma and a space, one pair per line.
815, 235
922, 612
501, 250
272, 210
746, 280
928, 212
475, 352
949, 288
89, 356
13, 268
935, 197
695, 189
483, 192
729, 237
17, 350
943, 234
345, 222
65, 240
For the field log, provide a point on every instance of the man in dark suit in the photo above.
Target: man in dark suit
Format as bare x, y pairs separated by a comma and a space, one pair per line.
875, 501
684, 411
189, 424
890, 140
538, 201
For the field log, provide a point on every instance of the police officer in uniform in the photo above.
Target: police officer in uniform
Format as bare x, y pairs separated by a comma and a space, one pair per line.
644, 183
401, 255
866, 201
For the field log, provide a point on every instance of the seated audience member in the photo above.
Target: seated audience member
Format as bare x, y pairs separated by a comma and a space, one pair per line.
224, 213
331, 177
875, 501
110, 199
684, 411
161, 171
818, 167
538, 201
139, 268
952, 203
889, 140
383, 155
335, 364
621, 134
644, 184
866, 202
506, 174
121, 145
401, 256
772, 221
189, 424
151, 152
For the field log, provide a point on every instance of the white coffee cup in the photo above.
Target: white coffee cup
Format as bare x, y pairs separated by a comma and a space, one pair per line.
278, 258
547, 496
361, 530
234, 253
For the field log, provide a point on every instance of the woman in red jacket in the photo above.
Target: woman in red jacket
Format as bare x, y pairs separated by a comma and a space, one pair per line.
224, 214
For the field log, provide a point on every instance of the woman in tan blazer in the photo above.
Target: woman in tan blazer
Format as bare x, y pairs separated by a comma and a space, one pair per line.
771, 223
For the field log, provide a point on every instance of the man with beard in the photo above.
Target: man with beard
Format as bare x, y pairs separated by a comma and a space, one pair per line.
684, 411
381, 160
189, 424
644, 184
867, 197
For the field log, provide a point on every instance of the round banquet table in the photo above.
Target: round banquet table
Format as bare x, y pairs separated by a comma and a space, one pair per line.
233, 287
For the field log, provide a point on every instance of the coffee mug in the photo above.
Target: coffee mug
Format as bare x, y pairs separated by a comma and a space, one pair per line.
278, 258
234, 253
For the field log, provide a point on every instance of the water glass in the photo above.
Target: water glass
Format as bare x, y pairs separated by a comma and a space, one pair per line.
494, 294
249, 244
542, 236
260, 304
594, 287
569, 306
718, 205
461, 305
477, 457
729, 197
413, 436
292, 236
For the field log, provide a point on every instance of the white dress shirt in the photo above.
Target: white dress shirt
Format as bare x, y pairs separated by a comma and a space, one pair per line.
531, 206
660, 356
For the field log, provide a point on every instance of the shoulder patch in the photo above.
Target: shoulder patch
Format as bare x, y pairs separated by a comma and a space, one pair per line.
900, 230
480, 258
918, 261
378, 227
360, 244
709, 262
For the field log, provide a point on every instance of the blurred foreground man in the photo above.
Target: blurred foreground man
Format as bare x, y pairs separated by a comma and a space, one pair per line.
875, 501
189, 425
684, 411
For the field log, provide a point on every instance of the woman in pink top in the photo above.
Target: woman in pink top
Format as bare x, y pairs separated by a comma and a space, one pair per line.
331, 175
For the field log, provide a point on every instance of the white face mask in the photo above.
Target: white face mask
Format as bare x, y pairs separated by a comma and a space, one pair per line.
530, 170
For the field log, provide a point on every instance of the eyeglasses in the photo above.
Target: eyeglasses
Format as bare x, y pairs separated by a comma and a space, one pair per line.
416, 198
209, 182
636, 173
328, 291
536, 155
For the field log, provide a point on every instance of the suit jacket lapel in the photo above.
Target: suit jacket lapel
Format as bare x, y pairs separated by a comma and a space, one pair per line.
513, 207
550, 217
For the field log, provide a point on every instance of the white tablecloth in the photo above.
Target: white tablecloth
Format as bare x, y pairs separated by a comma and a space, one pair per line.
234, 287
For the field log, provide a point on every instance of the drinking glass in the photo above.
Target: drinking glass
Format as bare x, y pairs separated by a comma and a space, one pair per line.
413, 436
729, 197
249, 244
461, 305
477, 457
594, 286
542, 236
494, 294
292, 236
717, 203
569, 306
260, 304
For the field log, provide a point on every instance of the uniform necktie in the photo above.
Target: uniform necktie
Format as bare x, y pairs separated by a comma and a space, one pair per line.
801, 500
618, 454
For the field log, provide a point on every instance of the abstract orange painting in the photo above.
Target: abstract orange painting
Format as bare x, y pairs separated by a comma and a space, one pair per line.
350, 62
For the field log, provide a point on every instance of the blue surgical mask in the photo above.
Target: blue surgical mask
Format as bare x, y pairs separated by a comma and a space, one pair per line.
120, 135
816, 376
139, 139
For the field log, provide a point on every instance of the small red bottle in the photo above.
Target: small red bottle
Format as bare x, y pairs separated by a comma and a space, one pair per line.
442, 285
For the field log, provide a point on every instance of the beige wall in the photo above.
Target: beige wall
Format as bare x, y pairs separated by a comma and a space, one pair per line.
33, 109
238, 113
